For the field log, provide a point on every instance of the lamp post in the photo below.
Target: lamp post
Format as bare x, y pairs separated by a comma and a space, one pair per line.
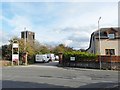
25, 46
99, 42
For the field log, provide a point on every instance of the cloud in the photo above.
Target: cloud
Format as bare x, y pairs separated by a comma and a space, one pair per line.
75, 44
52, 43
67, 42
89, 19
77, 37
80, 27
19, 22
55, 23
60, 0
4, 37
87, 15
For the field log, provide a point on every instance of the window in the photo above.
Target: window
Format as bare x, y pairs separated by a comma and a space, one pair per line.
111, 36
22, 35
26, 34
110, 51
33, 37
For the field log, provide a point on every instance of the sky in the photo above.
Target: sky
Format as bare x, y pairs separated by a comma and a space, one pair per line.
67, 22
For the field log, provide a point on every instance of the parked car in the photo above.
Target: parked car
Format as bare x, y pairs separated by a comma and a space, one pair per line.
42, 58
51, 56
56, 57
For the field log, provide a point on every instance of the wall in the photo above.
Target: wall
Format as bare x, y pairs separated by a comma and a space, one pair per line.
108, 44
94, 65
92, 45
107, 62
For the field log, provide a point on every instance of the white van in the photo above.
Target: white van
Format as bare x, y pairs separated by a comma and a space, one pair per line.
42, 58
56, 57
51, 56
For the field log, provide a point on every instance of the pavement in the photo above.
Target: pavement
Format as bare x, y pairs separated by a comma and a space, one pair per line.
48, 75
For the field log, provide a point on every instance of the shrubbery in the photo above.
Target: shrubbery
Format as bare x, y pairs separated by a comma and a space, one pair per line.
79, 56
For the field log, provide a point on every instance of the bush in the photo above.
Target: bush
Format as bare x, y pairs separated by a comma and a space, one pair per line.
79, 56
31, 59
5, 63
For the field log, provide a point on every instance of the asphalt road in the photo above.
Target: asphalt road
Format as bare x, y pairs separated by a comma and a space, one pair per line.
48, 75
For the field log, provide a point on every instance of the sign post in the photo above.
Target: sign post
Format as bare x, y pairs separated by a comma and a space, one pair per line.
15, 52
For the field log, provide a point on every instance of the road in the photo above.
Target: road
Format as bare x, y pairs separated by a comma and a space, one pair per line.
48, 75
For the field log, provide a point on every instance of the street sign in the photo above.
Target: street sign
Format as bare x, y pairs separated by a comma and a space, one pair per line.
72, 58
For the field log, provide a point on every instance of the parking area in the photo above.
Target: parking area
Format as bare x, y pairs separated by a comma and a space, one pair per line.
48, 75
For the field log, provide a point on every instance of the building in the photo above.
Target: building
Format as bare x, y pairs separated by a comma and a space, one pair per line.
109, 43
30, 36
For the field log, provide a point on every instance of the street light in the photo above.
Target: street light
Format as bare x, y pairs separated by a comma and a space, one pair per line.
25, 46
99, 43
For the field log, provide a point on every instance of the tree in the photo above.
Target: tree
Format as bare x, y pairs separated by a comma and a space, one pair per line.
41, 49
62, 48
29, 48
7, 52
32, 49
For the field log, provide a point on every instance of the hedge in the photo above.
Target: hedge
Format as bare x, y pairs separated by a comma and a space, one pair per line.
79, 56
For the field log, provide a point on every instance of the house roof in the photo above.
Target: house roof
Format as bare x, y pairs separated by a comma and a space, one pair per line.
115, 29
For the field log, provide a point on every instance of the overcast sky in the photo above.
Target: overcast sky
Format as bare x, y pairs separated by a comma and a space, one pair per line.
70, 23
